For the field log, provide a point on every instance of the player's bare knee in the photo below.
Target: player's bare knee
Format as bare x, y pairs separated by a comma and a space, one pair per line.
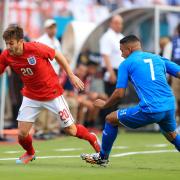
110, 119
22, 133
70, 130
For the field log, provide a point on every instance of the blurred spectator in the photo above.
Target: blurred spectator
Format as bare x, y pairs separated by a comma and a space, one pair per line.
81, 10
111, 4
89, 10
49, 38
85, 111
99, 12
126, 3
176, 59
176, 46
94, 93
166, 47
109, 49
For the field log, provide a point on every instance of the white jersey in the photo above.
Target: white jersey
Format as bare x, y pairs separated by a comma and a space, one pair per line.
109, 45
53, 43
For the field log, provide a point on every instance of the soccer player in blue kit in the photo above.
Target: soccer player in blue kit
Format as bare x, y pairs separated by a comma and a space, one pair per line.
147, 73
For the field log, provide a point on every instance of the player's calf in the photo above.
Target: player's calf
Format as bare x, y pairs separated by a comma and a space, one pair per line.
174, 138
82, 132
176, 142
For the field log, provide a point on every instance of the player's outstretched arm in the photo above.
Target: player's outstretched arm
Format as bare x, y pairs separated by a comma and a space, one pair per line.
172, 68
112, 100
61, 60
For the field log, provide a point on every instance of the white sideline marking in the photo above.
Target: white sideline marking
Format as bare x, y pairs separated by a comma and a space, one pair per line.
142, 152
78, 149
68, 149
114, 155
12, 152
15, 152
64, 150
157, 145
120, 147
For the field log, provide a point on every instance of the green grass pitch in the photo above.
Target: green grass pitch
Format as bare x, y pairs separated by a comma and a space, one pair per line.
155, 159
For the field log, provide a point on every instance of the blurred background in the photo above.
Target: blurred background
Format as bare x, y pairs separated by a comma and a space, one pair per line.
77, 27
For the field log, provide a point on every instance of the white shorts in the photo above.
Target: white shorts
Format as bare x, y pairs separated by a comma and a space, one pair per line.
30, 110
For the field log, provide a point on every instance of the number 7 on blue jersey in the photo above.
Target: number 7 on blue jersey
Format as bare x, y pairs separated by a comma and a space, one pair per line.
149, 61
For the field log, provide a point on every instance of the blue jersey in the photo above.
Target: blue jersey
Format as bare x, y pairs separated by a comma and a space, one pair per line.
147, 73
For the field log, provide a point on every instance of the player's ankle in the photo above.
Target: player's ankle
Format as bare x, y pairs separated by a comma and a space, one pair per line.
103, 155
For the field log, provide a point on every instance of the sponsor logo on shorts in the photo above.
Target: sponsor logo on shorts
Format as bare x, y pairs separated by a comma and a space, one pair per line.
123, 112
65, 122
64, 115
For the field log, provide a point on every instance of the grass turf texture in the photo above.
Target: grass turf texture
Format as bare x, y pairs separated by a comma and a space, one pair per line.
159, 166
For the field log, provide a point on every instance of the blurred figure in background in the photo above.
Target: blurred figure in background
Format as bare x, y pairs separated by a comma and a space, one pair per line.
49, 38
109, 49
83, 108
165, 47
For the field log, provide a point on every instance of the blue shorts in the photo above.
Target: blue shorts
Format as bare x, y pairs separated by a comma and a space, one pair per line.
133, 117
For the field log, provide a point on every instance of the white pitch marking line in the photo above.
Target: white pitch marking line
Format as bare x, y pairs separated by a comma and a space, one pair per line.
68, 149
157, 145
114, 155
142, 152
64, 149
78, 149
120, 147
12, 152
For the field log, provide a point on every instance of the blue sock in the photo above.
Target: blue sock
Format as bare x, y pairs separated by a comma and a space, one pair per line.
176, 142
108, 138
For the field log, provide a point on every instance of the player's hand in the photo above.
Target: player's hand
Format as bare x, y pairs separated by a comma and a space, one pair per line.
99, 103
77, 83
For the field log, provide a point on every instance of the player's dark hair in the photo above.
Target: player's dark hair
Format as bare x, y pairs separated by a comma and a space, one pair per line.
13, 32
129, 39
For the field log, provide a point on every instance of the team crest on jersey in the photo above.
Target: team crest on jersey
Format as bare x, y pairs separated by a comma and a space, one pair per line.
31, 60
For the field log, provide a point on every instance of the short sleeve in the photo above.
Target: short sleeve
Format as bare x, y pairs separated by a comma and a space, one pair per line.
45, 51
105, 45
122, 80
171, 67
3, 63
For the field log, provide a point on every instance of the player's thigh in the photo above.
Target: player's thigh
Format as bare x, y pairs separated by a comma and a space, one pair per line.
29, 110
132, 117
168, 124
60, 107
